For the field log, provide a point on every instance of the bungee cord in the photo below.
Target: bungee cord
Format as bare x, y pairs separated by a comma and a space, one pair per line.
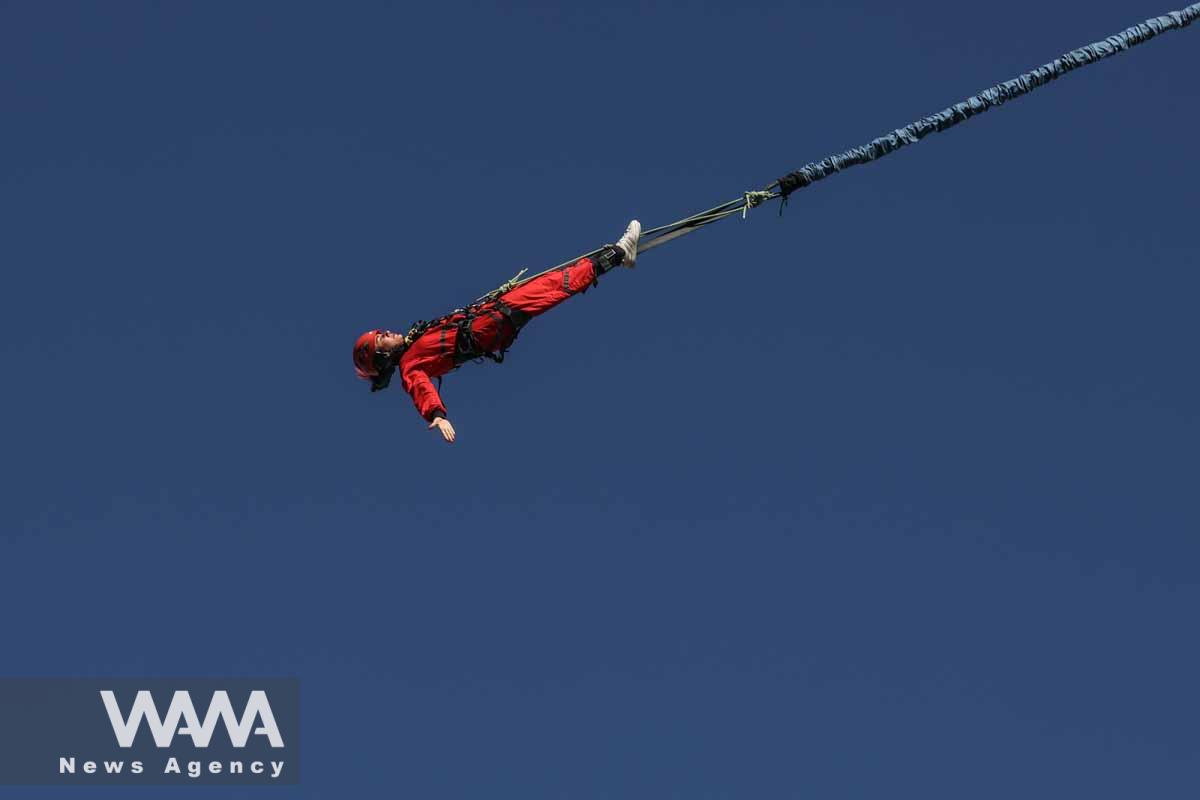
902, 137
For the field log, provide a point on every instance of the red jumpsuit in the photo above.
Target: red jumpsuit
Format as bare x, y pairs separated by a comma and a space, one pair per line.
432, 353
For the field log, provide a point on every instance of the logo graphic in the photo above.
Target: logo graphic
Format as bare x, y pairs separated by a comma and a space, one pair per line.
181, 708
84, 731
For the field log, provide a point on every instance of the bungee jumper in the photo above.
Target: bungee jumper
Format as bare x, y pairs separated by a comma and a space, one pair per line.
487, 327
484, 329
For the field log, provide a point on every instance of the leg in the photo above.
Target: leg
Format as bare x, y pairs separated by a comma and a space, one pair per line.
544, 293
491, 332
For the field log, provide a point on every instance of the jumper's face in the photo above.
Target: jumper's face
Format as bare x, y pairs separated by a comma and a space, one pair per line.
388, 340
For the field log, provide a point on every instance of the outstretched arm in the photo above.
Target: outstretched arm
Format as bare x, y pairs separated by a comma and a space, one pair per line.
429, 404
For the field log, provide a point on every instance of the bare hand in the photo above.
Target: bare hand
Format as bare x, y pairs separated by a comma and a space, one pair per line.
443, 425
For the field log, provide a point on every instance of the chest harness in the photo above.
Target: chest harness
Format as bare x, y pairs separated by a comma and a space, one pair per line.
466, 345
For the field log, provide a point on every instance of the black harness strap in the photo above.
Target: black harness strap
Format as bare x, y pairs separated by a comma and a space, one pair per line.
466, 346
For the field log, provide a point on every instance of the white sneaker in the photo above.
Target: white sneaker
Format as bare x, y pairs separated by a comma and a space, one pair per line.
627, 244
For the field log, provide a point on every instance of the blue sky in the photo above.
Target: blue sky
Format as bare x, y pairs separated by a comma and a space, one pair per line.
894, 494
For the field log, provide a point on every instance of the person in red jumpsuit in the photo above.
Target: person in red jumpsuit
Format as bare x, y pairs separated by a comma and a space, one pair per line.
431, 349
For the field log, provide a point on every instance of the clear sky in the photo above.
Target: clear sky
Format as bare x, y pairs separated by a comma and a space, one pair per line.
892, 496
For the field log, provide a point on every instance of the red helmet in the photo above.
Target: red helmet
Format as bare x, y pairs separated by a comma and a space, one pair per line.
364, 355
